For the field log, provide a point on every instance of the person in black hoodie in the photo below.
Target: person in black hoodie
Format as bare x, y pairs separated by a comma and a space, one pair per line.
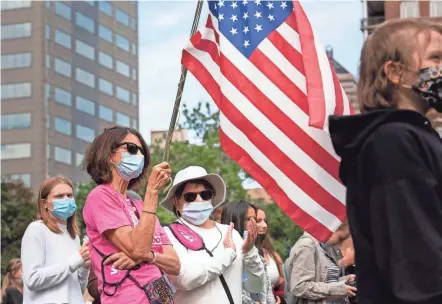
391, 164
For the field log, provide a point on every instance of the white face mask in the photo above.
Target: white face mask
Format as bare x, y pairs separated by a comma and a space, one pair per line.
197, 213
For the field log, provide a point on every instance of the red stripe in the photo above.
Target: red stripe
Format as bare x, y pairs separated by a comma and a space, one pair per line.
287, 50
291, 21
315, 87
296, 134
296, 214
207, 45
209, 24
267, 147
339, 109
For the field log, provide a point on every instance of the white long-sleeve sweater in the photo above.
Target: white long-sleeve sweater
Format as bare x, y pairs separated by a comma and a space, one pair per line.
198, 281
52, 266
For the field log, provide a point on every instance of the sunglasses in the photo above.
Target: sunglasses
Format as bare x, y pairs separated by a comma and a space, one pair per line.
205, 195
131, 148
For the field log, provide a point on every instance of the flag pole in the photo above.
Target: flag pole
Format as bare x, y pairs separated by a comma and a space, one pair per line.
179, 94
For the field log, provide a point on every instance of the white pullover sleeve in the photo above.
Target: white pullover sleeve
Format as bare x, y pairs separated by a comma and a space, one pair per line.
197, 272
36, 275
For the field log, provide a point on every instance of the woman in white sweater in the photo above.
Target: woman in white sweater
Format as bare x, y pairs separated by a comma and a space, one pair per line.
55, 267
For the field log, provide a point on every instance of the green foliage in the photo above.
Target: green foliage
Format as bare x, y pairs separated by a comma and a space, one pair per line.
18, 211
81, 194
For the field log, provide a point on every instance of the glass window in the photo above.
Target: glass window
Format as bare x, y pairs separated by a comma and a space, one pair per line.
135, 124
92, 3
62, 96
106, 87
85, 105
62, 10
25, 178
435, 8
48, 152
48, 61
18, 30
122, 42
48, 31
62, 155
134, 98
122, 68
134, 74
85, 133
105, 113
85, 78
122, 17
10, 5
123, 94
123, 120
105, 60
48, 4
409, 9
15, 151
63, 38
79, 159
47, 92
133, 24
15, 90
16, 121
85, 22
16, 61
105, 33
48, 121
62, 126
85, 49
105, 7
134, 49
62, 67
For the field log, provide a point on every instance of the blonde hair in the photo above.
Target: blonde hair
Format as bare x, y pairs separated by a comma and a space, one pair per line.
42, 212
394, 41
10, 281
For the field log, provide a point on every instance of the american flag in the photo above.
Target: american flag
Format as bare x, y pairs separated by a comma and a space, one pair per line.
275, 88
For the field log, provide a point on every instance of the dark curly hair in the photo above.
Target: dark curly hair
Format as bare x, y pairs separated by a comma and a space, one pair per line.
97, 160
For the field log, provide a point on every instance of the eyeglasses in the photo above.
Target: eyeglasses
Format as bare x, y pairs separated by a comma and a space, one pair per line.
131, 148
205, 195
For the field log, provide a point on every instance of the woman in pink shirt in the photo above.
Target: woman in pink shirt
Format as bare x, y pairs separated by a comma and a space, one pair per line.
130, 252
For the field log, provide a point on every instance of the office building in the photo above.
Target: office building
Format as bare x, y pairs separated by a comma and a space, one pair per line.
69, 69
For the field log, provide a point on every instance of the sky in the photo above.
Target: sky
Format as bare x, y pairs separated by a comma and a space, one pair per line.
164, 29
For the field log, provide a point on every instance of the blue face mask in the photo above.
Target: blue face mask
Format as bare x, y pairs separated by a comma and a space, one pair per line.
197, 212
64, 208
130, 166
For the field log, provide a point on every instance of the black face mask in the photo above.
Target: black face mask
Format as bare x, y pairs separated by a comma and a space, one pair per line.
429, 86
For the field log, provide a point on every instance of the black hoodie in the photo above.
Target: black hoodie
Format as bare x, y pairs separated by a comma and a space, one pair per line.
392, 168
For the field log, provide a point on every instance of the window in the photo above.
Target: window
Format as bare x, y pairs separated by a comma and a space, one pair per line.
106, 87
85, 22
105, 33
16, 90
16, 151
47, 92
133, 24
409, 9
63, 39
122, 17
122, 68
62, 155
48, 4
62, 67
106, 8
85, 105
135, 124
122, 42
48, 32
48, 61
123, 94
18, 30
16, 121
105, 113
48, 121
62, 126
85, 78
10, 5
48, 152
85, 49
92, 3
134, 74
79, 159
16, 61
134, 98
105, 60
134, 49
62, 10
85, 133
62, 96
123, 120
435, 8
25, 178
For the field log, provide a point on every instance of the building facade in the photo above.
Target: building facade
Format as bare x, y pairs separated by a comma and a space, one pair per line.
68, 70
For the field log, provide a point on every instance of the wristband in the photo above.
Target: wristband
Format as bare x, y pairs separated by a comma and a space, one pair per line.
154, 257
149, 212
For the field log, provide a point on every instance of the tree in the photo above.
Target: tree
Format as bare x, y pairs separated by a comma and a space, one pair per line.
18, 211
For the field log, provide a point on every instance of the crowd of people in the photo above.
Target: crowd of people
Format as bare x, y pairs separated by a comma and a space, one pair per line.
391, 166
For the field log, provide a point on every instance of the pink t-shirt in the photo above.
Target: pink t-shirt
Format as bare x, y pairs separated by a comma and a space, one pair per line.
107, 209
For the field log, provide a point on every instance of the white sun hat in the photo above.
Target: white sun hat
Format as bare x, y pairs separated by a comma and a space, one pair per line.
193, 173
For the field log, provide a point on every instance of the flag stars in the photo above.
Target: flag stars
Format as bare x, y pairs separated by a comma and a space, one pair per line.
233, 31
245, 2
214, 6
270, 5
246, 30
284, 4
220, 3
258, 15
234, 18
221, 17
234, 5
258, 28
246, 43
245, 16
258, 2
271, 18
